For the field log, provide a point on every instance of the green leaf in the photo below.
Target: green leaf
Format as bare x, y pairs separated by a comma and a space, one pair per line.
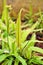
10, 61
18, 29
35, 60
5, 34
36, 49
26, 50
1, 51
31, 42
16, 62
10, 42
4, 10
5, 17
3, 45
3, 57
24, 44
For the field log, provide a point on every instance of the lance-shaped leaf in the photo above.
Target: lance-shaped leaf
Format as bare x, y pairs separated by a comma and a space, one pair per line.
36, 49
31, 42
4, 10
26, 50
18, 29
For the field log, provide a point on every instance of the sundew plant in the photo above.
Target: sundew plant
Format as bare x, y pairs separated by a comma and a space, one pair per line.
14, 48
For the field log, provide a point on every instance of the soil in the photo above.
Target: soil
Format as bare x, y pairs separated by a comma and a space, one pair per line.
39, 36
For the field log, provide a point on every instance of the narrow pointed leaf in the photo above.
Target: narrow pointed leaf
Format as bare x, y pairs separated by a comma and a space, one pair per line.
18, 29
37, 49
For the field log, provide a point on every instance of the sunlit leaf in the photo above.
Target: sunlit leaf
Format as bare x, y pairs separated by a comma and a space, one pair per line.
18, 29
37, 49
3, 57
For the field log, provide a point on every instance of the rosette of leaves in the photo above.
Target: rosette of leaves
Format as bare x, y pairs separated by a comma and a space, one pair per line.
16, 50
